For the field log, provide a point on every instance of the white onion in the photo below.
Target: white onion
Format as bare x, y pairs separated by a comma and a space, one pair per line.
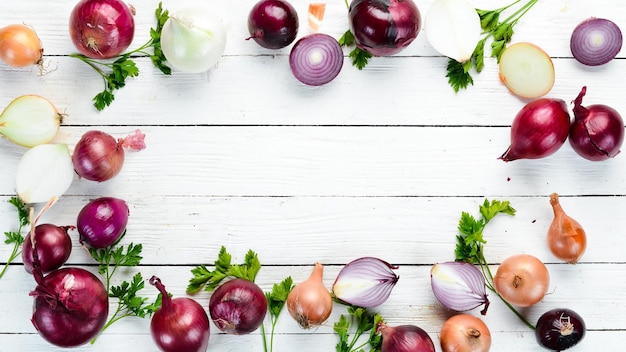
30, 120
453, 28
44, 172
193, 39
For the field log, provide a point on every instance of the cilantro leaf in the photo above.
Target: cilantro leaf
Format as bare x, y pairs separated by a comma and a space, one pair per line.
209, 280
15, 237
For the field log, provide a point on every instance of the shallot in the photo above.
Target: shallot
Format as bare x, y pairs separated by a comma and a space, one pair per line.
567, 239
310, 303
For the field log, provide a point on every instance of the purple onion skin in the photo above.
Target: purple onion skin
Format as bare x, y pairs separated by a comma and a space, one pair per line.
70, 316
591, 52
102, 221
539, 129
238, 307
180, 325
405, 338
597, 132
559, 329
98, 156
273, 24
384, 27
54, 246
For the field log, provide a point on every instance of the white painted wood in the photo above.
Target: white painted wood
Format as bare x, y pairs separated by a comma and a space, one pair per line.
379, 162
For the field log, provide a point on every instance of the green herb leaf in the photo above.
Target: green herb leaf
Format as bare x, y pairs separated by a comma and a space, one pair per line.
358, 323
277, 298
209, 280
358, 56
158, 59
347, 39
458, 77
23, 211
488, 19
15, 237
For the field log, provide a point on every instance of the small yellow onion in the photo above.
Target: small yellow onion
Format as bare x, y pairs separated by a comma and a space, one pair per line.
310, 303
30, 120
44, 172
193, 39
20, 46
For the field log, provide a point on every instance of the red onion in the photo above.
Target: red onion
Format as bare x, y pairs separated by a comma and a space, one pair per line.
365, 282
99, 157
71, 306
596, 41
316, 59
273, 24
180, 325
559, 329
54, 247
238, 306
102, 221
384, 27
405, 338
539, 129
459, 286
597, 132
101, 29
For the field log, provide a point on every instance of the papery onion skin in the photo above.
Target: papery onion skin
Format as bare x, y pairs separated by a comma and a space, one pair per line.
54, 246
459, 286
384, 27
71, 307
567, 239
596, 41
102, 221
101, 29
465, 333
238, 307
20, 46
522, 280
316, 59
405, 338
539, 129
273, 24
309, 303
559, 329
365, 282
193, 39
45, 171
597, 132
180, 324
30, 120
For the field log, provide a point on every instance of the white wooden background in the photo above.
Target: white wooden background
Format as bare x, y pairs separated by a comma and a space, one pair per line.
380, 162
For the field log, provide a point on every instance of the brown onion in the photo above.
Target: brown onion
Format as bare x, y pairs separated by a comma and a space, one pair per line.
310, 303
465, 333
566, 237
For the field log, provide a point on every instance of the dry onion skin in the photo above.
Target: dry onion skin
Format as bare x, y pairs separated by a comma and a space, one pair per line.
526, 70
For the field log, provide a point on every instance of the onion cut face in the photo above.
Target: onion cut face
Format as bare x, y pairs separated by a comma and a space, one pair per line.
596, 41
526, 70
316, 59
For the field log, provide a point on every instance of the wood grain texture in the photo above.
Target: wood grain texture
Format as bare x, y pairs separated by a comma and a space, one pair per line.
380, 162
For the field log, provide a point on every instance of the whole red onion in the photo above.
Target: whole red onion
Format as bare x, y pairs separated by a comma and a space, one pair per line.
101, 29
384, 27
99, 157
54, 247
102, 221
71, 306
539, 129
405, 338
597, 132
180, 325
238, 306
273, 24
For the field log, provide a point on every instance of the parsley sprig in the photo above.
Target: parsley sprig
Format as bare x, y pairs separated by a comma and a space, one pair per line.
470, 243
114, 72
209, 280
358, 322
501, 32
358, 56
129, 303
15, 237
276, 300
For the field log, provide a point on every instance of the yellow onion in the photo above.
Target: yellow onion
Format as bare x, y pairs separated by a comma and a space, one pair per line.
310, 303
30, 120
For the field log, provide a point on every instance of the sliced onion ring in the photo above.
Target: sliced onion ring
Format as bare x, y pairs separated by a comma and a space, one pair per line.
596, 41
316, 59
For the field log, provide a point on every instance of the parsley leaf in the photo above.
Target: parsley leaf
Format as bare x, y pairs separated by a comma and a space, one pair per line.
114, 72
110, 258
209, 280
359, 321
359, 56
501, 33
15, 237
276, 300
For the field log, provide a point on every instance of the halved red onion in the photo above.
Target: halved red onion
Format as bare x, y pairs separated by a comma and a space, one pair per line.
316, 59
596, 41
365, 282
459, 286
